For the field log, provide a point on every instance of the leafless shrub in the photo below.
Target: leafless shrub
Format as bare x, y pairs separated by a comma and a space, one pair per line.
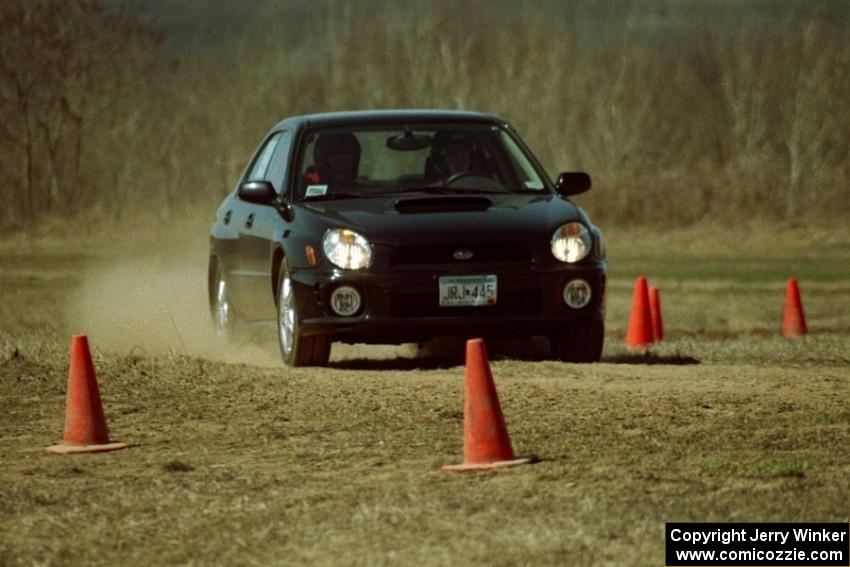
681, 111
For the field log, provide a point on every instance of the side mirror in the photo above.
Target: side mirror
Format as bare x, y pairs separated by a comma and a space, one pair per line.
260, 192
572, 183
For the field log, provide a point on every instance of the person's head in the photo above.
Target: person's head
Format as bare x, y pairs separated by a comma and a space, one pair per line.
451, 153
337, 156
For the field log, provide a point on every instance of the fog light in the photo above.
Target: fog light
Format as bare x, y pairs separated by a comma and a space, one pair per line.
577, 293
345, 301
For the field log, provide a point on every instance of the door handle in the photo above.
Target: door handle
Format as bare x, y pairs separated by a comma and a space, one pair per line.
249, 222
227, 216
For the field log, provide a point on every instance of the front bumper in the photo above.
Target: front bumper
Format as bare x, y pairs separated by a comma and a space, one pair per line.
403, 305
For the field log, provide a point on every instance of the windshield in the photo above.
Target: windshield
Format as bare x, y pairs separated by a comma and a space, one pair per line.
468, 158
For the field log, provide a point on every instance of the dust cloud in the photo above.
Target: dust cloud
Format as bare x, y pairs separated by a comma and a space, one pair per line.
146, 294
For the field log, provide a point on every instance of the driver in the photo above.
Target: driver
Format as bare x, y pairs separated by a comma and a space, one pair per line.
336, 156
450, 154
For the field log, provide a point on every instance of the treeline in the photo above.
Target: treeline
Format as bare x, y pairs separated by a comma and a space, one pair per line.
681, 111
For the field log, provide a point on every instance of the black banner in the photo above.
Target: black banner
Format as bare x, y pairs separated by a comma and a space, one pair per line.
757, 545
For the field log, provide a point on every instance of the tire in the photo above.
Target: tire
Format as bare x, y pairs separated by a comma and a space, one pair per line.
295, 349
580, 341
224, 317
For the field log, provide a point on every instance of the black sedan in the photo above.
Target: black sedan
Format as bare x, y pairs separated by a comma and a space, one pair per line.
403, 226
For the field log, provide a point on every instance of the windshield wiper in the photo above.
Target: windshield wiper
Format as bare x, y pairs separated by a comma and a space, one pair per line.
530, 191
442, 190
332, 196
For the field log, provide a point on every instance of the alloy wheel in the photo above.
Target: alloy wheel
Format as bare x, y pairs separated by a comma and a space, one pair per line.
221, 309
286, 316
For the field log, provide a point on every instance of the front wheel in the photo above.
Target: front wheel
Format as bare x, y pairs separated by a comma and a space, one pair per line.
295, 349
579, 341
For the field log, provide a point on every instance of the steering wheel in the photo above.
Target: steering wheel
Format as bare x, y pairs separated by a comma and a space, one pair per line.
458, 175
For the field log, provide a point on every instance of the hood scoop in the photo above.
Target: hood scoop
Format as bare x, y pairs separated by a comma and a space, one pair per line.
443, 205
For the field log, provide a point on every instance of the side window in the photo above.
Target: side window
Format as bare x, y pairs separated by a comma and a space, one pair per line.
258, 170
280, 161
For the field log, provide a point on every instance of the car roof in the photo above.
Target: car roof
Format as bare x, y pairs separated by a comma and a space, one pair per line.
377, 117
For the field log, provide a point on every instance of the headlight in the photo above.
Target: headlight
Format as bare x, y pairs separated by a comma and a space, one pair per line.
346, 249
571, 243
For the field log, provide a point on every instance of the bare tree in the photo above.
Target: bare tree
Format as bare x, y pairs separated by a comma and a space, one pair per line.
64, 66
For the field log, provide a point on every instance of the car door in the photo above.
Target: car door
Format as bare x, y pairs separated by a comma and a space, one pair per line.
256, 229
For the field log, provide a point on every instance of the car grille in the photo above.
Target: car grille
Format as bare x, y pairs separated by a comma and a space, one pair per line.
515, 303
444, 254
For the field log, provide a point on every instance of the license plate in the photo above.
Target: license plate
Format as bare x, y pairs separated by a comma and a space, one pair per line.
467, 291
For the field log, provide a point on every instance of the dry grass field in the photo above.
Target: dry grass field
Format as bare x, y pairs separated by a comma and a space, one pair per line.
235, 460
684, 113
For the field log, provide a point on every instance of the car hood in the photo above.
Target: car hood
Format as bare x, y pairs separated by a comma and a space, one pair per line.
433, 218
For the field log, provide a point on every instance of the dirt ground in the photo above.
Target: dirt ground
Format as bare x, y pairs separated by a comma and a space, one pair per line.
236, 460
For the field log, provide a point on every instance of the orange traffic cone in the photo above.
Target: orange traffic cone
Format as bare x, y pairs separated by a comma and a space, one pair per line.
486, 444
793, 319
655, 313
639, 332
85, 424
